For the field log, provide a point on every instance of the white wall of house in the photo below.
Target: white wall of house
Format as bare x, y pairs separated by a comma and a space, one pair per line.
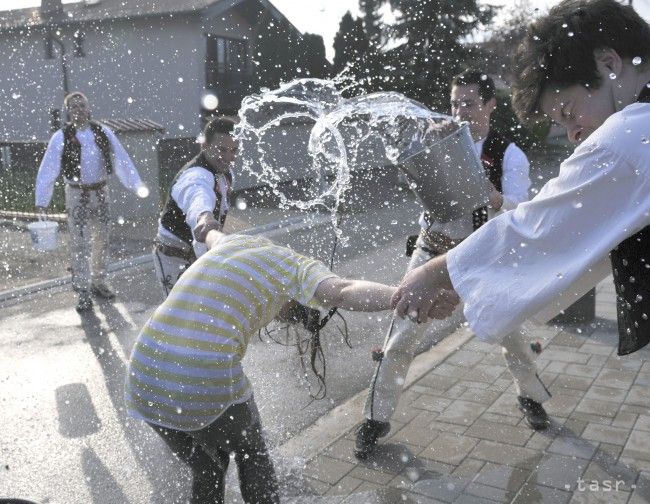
152, 68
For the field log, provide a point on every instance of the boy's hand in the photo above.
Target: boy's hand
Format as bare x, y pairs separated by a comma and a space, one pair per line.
205, 223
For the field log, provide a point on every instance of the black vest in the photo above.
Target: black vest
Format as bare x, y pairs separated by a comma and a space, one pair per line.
71, 156
172, 217
631, 268
494, 149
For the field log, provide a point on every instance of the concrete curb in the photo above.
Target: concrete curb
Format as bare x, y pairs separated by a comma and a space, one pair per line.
330, 427
270, 230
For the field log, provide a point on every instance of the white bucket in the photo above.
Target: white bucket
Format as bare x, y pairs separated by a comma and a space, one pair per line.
44, 234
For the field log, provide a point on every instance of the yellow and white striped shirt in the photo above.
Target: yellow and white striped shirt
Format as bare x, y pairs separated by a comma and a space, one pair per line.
185, 368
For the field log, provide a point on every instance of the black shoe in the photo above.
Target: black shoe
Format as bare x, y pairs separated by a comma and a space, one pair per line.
534, 413
84, 303
102, 290
367, 435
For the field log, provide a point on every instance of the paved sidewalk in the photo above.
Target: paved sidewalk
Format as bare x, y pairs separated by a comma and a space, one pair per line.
458, 436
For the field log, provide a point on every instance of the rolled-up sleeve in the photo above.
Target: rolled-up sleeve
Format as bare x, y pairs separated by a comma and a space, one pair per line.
516, 177
519, 262
194, 194
49, 170
125, 170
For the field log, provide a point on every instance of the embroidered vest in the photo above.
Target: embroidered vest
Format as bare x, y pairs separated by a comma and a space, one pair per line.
631, 269
71, 156
172, 217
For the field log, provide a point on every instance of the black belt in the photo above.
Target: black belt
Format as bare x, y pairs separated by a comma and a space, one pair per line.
88, 187
188, 255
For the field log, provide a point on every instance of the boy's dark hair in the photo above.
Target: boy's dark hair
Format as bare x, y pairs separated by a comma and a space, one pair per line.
472, 76
217, 125
74, 94
559, 48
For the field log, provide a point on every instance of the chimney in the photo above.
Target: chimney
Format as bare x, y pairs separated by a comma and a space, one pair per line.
51, 8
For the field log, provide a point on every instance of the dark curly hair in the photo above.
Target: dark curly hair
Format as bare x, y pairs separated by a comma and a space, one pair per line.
469, 76
295, 314
559, 48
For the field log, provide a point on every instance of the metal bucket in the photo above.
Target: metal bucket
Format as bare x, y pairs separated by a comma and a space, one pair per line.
448, 177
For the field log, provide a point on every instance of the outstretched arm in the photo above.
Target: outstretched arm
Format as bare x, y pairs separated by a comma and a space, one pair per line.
356, 295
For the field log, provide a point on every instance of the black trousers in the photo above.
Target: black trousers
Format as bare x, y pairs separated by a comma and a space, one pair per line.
207, 453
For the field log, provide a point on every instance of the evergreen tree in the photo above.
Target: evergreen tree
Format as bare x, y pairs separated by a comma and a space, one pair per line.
312, 60
371, 20
433, 51
351, 45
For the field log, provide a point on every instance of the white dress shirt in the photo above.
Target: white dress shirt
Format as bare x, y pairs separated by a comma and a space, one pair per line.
515, 182
518, 264
194, 193
92, 164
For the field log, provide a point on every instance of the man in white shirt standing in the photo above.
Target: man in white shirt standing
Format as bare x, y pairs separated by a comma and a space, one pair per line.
586, 66
472, 100
87, 153
198, 202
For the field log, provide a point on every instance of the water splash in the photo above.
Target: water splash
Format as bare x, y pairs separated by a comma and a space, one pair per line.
345, 134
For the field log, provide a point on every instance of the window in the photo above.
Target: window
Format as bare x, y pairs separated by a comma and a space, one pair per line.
225, 57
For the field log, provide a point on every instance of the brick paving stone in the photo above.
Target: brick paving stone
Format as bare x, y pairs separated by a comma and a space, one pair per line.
419, 435
450, 371
638, 464
327, 469
561, 405
423, 418
472, 499
563, 354
500, 432
564, 381
345, 486
475, 385
480, 395
372, 489
560, 472
592, 349
456, 391
437, 382
606, 394
597, 361
506, 405
624, 363
574, 426
501, 384
602, 497
465, 358
444, 488
589, 417
604, 468
430, 403
492, 359
638, 395
489, 492
582, 370
461, 412
611, 450
606, 434
315, 486
539, 442
642, 423
502, 476
367, 474
615, 378
506, 454
448, 427
637, 446
489, 416
533, 493
642, 379
569, 339
449, 448
468, 468
596, 407
637, 410
641, 494
572, 447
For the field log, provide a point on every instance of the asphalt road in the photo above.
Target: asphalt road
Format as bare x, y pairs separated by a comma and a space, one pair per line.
65, 436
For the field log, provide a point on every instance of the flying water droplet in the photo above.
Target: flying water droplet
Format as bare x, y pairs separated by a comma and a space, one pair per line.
241, 204
636, 61
612, 76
